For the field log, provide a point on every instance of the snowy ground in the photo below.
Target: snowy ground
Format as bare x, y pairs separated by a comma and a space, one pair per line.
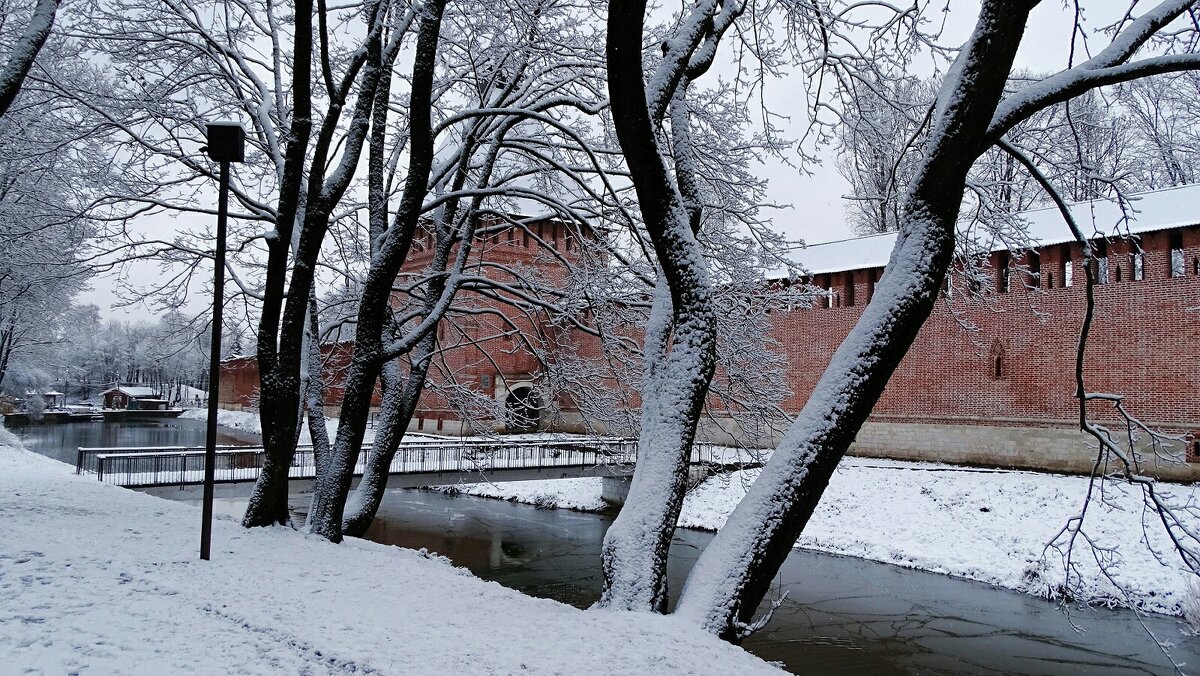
990, 526
97, 579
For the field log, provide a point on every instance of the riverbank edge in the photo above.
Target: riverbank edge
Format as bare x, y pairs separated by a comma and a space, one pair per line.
984, 550
1032, 580
95, 569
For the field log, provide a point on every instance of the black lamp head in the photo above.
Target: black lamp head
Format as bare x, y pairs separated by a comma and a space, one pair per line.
226, 142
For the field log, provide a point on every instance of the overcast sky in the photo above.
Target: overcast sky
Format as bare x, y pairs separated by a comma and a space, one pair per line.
817, 205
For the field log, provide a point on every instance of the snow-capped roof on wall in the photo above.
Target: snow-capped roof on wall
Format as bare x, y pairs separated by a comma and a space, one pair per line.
135, 392
1147, 212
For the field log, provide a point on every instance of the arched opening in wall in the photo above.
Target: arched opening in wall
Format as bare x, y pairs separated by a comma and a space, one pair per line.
996, 361
523, 411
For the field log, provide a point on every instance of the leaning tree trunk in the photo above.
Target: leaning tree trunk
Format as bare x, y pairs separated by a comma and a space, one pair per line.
400, 398
332, 487
280, 356
734, 572
25, 51
680, 339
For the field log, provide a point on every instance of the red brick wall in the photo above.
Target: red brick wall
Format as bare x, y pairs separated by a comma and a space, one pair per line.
1143, 345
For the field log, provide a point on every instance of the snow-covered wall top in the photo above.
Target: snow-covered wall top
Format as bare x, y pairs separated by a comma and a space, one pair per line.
1147, 212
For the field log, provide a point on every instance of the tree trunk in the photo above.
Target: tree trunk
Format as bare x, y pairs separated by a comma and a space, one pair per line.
400, 398
680, 339
329, 494
733, 574
26, 49
268, 501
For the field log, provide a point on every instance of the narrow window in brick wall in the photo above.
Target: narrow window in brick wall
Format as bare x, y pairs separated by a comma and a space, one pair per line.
440, 422
997, 367
485, 381
510, 234
1003, 279
1064, 265
870, 285
1193, 447
526, 242
1035, 269
1175, 244
1117, 274
1196, 266
1137, 266
1100, 266
420, 423
1068, 275
848, 294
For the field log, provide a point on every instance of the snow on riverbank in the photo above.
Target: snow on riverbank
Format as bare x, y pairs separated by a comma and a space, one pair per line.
95, 578
990, 526
578, 494
247, 421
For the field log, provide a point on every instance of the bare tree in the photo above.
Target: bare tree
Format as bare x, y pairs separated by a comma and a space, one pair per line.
183, 64
879, 141
972, 114
48, 173
504, 138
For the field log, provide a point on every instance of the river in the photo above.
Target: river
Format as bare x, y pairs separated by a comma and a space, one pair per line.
842, 615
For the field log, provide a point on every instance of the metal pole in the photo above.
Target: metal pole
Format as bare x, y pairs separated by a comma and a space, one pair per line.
214, 365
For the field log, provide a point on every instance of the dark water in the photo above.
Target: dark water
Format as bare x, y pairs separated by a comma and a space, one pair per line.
60, 441
842, 615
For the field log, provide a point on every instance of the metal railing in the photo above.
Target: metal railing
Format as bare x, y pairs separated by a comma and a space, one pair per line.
180, 466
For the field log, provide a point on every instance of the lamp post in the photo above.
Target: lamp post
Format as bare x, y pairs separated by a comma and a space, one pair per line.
226, 143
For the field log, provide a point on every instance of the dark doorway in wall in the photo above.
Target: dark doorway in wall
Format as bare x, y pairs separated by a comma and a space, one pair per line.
523, 408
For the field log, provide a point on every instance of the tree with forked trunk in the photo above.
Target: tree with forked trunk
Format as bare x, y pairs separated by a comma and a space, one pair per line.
972, 114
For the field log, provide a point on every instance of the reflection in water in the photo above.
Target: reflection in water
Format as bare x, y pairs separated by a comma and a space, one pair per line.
842, 615
60, 441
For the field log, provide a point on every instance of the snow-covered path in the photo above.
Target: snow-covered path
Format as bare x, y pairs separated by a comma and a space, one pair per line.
98, 579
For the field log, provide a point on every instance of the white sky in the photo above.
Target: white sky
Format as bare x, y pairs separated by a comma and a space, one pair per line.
817, 205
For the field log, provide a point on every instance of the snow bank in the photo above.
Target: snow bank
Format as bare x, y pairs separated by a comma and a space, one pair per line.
248, 421
97, 578
578, 494
990, 526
